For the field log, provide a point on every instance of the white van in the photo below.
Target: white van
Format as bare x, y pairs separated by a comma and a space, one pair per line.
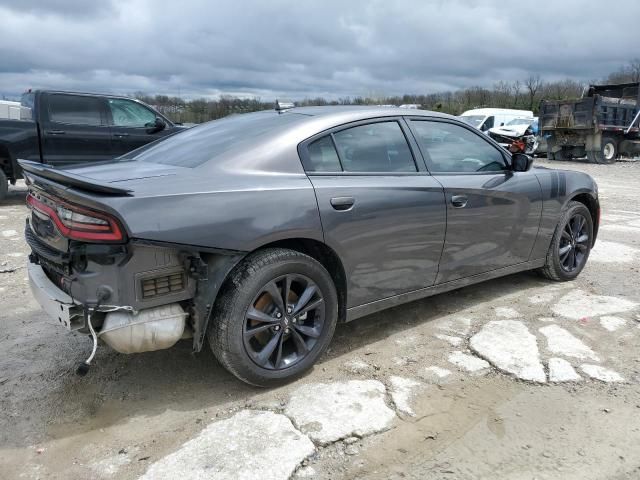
486, 118
9, 110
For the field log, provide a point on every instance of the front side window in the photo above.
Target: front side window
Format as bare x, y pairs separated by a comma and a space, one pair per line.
126, 113
452, 148
488, 123
375, 147
75, 110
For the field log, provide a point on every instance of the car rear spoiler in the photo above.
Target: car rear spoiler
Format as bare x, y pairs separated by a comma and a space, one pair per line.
71, 179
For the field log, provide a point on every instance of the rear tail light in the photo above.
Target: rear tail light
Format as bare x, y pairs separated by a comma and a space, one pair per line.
78, 223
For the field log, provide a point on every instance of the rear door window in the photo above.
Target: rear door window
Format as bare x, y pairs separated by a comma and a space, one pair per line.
375, 147
76, 110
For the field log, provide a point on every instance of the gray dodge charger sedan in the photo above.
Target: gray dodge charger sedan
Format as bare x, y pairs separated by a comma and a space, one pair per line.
259, 232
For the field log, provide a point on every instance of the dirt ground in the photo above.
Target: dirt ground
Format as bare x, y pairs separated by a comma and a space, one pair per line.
516, 378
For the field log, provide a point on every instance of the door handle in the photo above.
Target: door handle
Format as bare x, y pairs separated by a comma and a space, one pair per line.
342, 203
459, 201
120, 135
56, 132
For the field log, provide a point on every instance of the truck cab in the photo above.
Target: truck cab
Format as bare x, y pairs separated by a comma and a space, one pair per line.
67, 128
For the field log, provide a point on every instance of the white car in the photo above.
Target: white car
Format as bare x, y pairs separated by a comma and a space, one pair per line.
517, 129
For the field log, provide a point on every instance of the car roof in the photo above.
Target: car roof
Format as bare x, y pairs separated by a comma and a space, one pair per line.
265, 140
363, 112
493, 111
92, 94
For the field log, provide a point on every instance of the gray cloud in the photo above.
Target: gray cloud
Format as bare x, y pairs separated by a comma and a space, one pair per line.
73, 8
298, 49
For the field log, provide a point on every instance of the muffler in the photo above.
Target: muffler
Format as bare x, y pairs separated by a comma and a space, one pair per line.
145, 331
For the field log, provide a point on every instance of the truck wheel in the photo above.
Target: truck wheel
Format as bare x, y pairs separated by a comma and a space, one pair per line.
275, 316
609, 150
570, 245
4, 185
559, 155
607, 154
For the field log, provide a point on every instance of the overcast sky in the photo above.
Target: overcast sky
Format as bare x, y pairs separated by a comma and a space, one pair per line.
302, 49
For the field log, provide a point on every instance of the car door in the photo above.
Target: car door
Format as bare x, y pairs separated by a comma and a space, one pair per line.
132, 125
380, 209
74, 129
493, 213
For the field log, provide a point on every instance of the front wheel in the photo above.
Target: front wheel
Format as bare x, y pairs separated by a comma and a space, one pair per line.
570, 245
4, 185
275, 316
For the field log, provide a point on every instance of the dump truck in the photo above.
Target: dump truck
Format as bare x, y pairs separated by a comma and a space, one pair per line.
603, 124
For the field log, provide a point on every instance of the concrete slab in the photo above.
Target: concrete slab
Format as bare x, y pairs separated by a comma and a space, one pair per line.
251, 444
330, 412
509, 346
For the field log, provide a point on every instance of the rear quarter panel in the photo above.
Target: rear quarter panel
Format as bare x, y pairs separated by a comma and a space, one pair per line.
251, 211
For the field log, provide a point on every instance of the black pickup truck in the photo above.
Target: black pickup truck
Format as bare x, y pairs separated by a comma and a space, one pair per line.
65, 128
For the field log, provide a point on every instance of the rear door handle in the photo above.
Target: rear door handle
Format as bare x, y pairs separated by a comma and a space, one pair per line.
342, 203
56, 132
459, 201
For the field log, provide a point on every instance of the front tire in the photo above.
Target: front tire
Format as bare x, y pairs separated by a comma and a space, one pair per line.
275, 316
570, 245
4, 185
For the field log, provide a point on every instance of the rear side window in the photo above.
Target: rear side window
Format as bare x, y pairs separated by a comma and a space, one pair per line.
322, 156
76, 110
375, 147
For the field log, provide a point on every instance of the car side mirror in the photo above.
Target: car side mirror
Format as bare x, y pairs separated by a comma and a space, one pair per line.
521, 162
157, 125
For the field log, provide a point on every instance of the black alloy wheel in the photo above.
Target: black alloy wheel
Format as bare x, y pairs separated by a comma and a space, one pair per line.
284, 322
570, 245
574, 243
274, 317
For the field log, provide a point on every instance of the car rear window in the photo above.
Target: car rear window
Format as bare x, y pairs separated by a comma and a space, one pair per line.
203, 143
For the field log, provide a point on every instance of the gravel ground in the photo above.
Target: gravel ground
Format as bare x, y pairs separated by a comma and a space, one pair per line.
516, 378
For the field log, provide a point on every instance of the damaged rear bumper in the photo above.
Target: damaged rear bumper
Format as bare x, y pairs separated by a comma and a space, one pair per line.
58, 304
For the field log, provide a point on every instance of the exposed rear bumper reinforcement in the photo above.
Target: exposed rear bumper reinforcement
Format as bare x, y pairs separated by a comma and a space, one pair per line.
58, 305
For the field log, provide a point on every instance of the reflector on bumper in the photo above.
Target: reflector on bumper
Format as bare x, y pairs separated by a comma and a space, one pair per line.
54, 301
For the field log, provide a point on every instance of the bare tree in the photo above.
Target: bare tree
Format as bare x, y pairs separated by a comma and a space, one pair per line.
515, 92
533, 84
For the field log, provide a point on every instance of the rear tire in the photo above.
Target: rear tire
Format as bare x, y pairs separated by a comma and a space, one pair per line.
608, 153
570, 245
262, 337
609, 150
4, 185
560, 155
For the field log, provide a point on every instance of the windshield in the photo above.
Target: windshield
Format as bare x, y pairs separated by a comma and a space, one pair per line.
473, 120
27, 99
520, 121
198, 145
